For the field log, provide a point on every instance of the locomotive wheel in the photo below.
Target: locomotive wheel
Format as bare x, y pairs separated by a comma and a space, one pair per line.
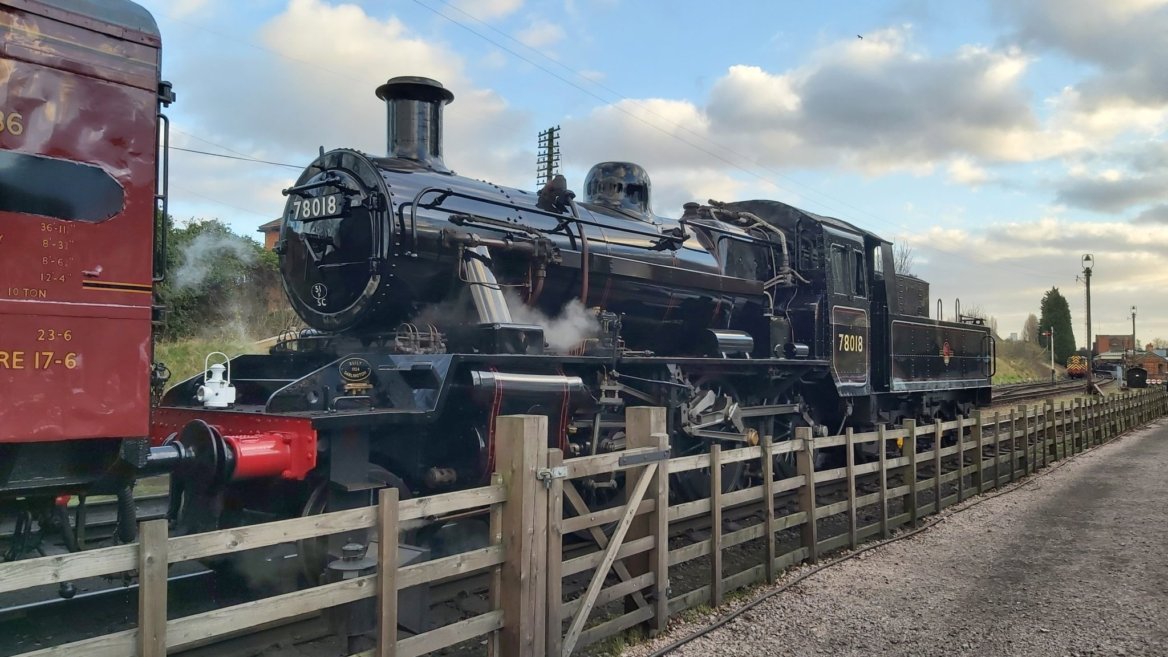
314, 551
695, 484
785, 465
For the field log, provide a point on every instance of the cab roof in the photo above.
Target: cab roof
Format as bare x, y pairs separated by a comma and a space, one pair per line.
120, 18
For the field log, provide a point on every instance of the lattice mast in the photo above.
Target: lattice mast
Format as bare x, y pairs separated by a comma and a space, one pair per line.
548, 162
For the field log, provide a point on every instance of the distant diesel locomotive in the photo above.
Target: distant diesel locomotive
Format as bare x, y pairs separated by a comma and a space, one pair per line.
1076, 367
436, 303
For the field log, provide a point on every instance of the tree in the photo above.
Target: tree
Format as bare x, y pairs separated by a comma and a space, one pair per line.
1056, 313
1159, 343
216, 279
902, 258
1030, 329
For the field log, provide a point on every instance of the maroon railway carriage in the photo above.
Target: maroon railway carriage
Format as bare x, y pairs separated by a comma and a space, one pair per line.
80, 96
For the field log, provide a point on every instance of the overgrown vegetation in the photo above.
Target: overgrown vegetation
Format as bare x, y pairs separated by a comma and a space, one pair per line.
219, 285
184, 358
222, 293
1020, 361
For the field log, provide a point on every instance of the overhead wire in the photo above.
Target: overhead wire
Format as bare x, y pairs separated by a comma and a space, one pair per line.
823, 198
636, 117
242, 158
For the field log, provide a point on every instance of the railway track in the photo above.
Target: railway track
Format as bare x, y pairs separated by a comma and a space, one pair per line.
1017, 392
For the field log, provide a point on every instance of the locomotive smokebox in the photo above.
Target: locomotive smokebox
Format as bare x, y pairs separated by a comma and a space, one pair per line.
414, 111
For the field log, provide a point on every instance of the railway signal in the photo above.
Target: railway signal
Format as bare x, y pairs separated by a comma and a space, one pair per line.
1050, 343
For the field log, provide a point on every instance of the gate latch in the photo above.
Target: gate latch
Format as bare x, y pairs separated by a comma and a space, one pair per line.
546, 475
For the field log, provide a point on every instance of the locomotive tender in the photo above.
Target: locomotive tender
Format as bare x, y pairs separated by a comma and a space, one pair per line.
436, 303
80, 102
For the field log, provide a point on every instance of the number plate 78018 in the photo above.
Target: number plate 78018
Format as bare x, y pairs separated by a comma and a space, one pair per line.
319, 207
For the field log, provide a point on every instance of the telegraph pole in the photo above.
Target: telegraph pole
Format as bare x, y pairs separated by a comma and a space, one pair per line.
1135, 345
1088, 264
548, 163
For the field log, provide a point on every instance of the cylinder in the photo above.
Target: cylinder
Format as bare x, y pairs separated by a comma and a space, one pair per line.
485, 383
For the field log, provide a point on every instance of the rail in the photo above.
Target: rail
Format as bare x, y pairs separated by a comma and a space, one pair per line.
633, 574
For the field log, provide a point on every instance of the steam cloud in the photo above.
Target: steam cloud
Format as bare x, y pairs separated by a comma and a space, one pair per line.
572, 326
204, 253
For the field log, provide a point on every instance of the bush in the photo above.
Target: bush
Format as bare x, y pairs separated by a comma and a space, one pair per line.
220, 285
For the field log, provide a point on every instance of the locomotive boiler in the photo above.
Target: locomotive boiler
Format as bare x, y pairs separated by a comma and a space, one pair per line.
435, 303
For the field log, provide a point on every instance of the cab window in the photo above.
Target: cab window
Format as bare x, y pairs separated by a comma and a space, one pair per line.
839, 269
858, 287
60, 189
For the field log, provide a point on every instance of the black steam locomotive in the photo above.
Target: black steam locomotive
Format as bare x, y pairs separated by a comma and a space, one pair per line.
436, 303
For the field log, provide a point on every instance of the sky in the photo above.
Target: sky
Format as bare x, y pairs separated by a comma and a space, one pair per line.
1001, 140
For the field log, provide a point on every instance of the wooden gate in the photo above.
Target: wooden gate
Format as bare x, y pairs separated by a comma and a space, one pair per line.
635, 550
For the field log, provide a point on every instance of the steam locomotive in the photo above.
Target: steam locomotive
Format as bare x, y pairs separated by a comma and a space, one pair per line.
436, 303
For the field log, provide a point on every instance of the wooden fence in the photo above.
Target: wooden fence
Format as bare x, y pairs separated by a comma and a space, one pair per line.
536, 507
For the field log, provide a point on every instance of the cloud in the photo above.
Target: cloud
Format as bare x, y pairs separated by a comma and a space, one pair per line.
186, 8
965, 172
1111, 193
1157, 214
306, 80
875, 106
489, 9
1124, 39
1005, 267
540, 34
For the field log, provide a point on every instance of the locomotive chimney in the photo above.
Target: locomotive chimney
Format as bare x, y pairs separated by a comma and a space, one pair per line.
414, 106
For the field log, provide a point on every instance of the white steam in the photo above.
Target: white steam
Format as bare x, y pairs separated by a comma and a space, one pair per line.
204, 253
573, 325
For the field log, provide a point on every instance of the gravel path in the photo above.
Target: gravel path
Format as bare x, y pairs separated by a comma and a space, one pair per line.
1071, 563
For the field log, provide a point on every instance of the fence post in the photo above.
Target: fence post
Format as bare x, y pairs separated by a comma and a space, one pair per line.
555, 557
387, 499
152, 562
768, 493
998, 449
645, 426
977, 479
495, 579
521, 451
1025, 412
938, 431
1013, 443
1063, 427
1051, 438
1097, 421
805, 467
884, 530
910, 443
1077, 425
1092, 425
960, 458
850, 446
715, 525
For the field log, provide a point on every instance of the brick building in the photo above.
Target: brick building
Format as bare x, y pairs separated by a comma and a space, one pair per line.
1155, 361
1103, 343
271, 231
